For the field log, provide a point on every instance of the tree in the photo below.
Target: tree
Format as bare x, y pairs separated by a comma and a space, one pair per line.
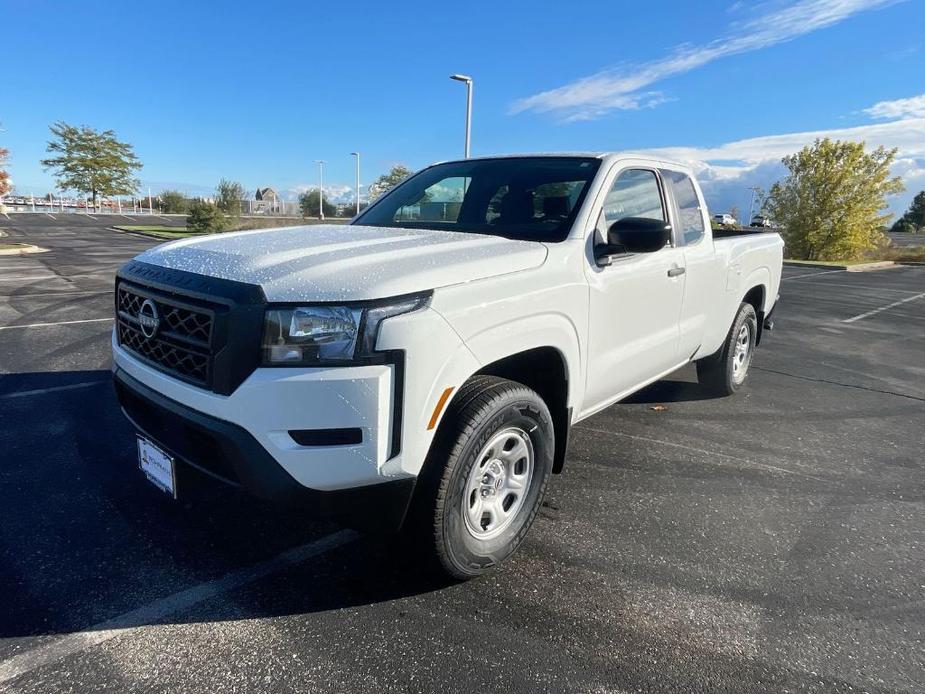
5, 186
831, 204
173, 202
396, 175
760, 202
205, 217
308, 202
914, 219
91, 162
734, 211
229, 195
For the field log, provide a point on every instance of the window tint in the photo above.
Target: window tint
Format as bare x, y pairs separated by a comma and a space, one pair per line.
535, 198
688, 206
635, 193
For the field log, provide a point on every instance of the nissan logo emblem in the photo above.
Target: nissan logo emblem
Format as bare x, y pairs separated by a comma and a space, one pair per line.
148, 320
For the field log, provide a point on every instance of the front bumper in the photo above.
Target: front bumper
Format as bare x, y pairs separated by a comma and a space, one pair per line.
227, 451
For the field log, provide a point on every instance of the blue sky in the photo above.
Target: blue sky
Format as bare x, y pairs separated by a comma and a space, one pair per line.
257, 91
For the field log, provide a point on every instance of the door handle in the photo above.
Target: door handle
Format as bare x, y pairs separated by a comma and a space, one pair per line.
675, 271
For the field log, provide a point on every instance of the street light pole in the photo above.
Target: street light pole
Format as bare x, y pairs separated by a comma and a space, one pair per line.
751, 201
357, 155
320, 163
468, 81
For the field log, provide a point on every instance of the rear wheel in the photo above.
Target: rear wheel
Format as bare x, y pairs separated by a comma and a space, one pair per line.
486, 476
724, 372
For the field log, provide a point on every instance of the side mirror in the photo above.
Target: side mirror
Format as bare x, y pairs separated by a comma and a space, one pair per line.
638, 235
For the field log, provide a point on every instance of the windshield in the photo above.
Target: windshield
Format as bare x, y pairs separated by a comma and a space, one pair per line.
529, 198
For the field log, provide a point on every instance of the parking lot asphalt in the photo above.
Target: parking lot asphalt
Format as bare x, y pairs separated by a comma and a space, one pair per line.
771, 541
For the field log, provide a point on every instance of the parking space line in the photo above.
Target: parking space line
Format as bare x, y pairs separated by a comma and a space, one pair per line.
53, 276
28, 277
52, 389
40, 294
866, 287
133, 622
883, 308
811, 274
48, 325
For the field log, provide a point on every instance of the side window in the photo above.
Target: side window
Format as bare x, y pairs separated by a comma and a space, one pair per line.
635, 193
439, 203
685, 196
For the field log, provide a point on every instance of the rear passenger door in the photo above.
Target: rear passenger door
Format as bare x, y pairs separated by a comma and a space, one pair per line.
704, 279
635, 300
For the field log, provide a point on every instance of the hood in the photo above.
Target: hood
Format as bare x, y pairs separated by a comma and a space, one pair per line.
334, 262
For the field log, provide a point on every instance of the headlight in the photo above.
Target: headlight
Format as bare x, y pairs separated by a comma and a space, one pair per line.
313, 335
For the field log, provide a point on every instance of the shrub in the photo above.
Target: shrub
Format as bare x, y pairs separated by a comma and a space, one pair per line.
205, 218
173, 202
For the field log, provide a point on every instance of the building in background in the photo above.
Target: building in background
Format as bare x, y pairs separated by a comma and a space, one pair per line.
266, 201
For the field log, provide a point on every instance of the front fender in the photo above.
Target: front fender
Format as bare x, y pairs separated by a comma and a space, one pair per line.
502, 340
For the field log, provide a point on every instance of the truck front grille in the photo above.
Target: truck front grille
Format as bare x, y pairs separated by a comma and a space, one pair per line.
181, 344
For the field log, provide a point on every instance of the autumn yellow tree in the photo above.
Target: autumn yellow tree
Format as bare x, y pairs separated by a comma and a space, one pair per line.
831, 205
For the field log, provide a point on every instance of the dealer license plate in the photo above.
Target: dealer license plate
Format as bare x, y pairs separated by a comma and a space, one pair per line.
158, 466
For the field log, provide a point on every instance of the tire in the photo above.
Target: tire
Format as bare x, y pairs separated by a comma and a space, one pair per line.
725, 372
469, 512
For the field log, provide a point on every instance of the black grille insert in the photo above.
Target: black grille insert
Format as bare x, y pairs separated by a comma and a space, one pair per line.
182, 344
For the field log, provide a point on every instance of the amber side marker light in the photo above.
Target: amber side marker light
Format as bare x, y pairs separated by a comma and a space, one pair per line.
439, 408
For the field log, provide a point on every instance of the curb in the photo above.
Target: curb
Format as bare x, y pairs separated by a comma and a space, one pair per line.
869, 267
139, 234
854, 267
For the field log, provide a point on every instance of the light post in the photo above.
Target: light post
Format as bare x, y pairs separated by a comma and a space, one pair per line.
320, 163
468, 81
751, 202
357, 155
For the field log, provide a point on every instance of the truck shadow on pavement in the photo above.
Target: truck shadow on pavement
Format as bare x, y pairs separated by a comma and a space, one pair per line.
84, 538
670, 390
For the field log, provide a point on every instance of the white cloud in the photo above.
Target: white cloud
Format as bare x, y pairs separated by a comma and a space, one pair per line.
624, 87
912, 107
907, 135
334, 193
727, 171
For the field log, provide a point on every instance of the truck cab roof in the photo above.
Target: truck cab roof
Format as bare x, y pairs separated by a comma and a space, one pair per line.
605, 157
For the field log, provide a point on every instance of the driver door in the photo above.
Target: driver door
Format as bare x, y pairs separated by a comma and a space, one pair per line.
635, 300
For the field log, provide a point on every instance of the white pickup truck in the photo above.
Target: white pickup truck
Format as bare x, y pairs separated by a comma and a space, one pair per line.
421, 367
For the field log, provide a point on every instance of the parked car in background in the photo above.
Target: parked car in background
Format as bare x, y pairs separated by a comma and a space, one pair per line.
725, 219
760, 220
422, 366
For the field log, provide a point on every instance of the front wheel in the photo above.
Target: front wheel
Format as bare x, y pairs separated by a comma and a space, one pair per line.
724, 372
486, 476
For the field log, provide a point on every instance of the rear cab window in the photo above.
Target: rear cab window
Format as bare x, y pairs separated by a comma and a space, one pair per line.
690, 214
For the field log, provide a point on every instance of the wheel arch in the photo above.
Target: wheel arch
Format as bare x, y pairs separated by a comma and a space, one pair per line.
756, 296
541, 368
545, 370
